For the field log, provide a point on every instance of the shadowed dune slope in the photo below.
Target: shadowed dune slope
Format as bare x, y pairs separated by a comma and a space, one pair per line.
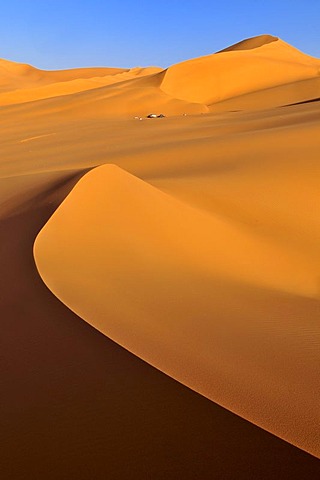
191, 240
163, 272
76, 405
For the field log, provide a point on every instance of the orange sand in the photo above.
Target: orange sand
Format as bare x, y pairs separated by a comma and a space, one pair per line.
195, 243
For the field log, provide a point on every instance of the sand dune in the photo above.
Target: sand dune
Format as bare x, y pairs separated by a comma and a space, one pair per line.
67, 87
14, 76
238, 71
163, 272
290, 93
124, 94
251, 43
194, 244
74, 404
256, 73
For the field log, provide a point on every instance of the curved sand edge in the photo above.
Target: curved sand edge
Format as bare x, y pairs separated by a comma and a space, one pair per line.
75, 404
119, 275
236, 72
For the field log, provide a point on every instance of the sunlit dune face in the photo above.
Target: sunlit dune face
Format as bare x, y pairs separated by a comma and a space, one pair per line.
259, 65
232, 73
191, 289
192, 237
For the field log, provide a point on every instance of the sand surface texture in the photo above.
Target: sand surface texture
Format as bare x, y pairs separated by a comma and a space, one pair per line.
190, 240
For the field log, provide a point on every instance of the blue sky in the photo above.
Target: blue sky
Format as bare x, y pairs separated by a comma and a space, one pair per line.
53, 34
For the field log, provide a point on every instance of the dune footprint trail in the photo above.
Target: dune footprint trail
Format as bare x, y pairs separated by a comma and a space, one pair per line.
171, 283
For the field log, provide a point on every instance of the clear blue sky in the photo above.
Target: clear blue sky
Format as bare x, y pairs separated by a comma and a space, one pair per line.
53, 34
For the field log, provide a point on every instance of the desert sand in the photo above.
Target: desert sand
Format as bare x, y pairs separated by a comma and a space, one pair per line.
191, 241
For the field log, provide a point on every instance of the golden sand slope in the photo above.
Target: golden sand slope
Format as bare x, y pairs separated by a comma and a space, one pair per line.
134, 93
193, 294
73, 85
238, 71
76, 405
256, 73
201, 252
280, 95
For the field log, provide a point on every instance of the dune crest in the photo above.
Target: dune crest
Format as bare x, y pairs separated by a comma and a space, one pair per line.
250, 43
71, 86
238, 71
16, 76
152, 274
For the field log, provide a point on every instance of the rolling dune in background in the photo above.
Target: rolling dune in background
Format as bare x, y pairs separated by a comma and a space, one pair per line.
191, 240
237, 71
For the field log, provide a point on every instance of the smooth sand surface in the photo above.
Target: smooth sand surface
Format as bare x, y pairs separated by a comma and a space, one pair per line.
194, 245
195, 293
16, 76
237, 71
69, 86
189, 87
74, 405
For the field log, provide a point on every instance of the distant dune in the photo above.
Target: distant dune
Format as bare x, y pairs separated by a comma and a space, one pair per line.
15, 76
63, 83
251, 43
192, 241
252, 65
248, 67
